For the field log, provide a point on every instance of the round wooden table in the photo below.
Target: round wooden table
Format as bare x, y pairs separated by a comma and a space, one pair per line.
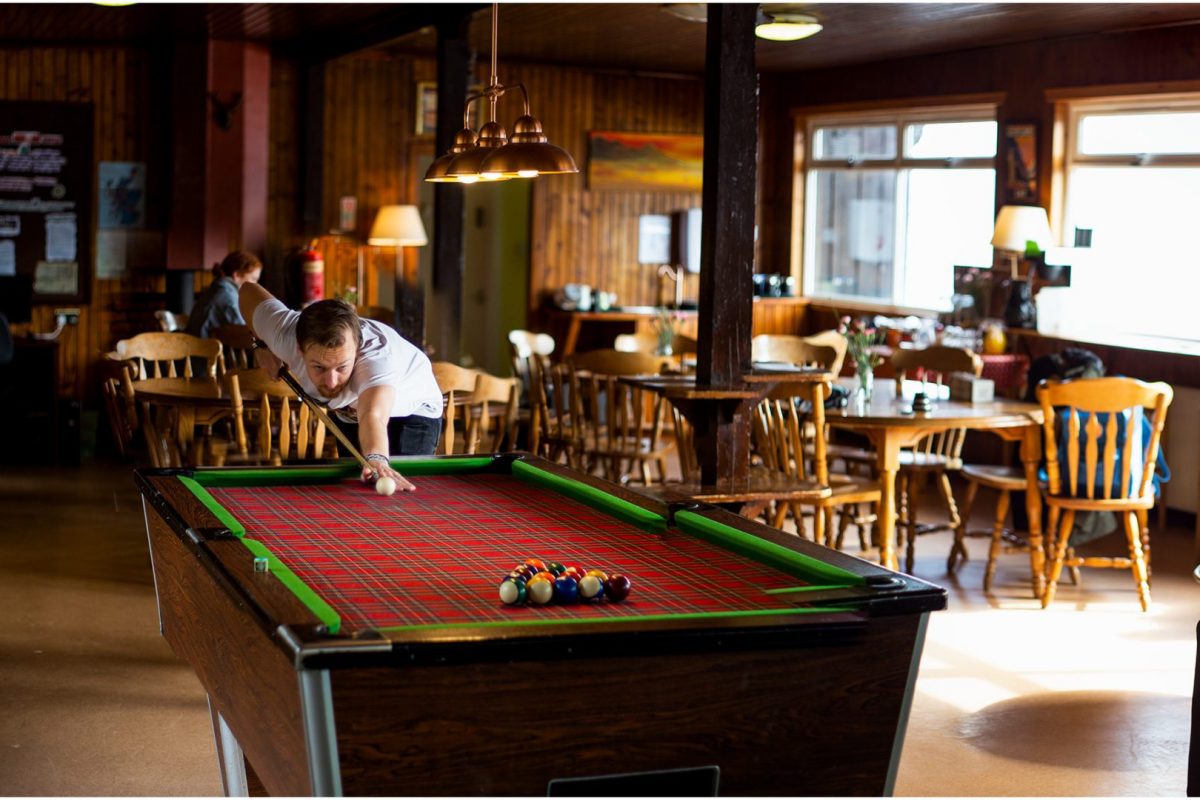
890, 424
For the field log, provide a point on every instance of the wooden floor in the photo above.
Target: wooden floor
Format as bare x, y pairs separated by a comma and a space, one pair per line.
1089, 698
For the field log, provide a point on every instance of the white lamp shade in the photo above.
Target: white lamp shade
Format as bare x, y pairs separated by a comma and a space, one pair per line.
398, 226
1016, 225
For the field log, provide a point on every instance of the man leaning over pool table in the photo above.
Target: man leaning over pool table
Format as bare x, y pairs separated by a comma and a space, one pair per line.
379, 386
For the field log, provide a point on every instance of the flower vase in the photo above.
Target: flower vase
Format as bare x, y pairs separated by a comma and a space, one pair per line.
866, 382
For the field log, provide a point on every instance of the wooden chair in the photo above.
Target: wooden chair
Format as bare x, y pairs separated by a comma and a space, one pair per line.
554, 430
491, 415
159, 355
1090, 419
1009, 373
530, 351
834, 339
788, 442
237, 346
792, 350
285, 428
528, 347
170, 321
936, 455
1004, 540
119, 404
620, 426
457, 384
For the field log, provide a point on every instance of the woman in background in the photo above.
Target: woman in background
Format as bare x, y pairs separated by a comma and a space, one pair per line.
218, 304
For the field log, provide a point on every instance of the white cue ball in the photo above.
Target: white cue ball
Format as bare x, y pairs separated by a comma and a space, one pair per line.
385, 486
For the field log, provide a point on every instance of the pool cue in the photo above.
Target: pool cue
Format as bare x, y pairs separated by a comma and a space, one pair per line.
286, 376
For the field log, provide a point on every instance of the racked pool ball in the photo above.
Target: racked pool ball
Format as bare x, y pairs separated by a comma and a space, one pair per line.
540, 592
617, 587
512, 592
590, 587
566, 589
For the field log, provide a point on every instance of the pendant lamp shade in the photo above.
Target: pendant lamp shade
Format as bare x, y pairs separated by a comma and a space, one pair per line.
439, 170
466, 167
491, 156
529, 154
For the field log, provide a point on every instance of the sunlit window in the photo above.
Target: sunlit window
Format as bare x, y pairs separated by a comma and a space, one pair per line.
894, 202
1133, 180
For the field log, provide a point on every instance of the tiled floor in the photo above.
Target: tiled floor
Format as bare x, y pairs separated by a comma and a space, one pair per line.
1088, 698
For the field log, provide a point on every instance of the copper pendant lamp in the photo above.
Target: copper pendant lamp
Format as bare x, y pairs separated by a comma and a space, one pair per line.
490, 155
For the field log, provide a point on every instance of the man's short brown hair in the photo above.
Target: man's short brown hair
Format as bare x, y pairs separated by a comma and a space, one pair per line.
239, 261
327, 323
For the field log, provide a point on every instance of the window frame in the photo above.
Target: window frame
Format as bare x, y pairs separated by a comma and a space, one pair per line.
1070, 106
900, 115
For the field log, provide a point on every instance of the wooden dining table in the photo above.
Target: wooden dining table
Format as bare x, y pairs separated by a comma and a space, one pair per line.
741, 487
890, 424
174, 407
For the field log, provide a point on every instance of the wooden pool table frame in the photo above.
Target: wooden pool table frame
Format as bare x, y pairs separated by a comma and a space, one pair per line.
805, 704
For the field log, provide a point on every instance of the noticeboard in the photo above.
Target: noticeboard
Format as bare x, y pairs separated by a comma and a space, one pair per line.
46, 191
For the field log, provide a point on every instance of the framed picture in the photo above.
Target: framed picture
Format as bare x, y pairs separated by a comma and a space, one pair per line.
1020, 162
426, 116
645, 161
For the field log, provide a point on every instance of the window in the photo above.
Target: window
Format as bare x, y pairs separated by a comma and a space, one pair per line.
1133, 179
894, 201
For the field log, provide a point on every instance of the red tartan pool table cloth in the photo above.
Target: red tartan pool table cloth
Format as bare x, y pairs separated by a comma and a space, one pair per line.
437, 556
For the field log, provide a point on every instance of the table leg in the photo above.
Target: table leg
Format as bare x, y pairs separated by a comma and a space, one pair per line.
185, 432
1031, 456
887, 450
229, 757
573, 326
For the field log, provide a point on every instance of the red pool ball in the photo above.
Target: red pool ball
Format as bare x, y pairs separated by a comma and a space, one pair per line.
617, 587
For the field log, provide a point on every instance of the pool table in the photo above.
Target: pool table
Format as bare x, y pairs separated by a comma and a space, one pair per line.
351, 643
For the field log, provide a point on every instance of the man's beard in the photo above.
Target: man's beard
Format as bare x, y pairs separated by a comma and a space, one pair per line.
331, 393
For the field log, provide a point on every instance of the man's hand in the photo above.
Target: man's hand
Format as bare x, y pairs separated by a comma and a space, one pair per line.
384, 470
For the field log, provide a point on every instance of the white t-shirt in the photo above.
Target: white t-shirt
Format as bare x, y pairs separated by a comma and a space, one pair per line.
385, 358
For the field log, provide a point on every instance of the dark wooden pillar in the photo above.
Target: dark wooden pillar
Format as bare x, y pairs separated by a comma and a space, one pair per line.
448, 203
221, 100
727, 237
312, 133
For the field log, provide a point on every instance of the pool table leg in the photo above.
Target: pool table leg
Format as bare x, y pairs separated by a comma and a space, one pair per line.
229, 757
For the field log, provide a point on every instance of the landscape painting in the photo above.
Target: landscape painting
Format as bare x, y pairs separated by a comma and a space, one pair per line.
645, 161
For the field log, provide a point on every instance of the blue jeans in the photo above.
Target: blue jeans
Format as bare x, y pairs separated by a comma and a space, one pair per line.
407, 436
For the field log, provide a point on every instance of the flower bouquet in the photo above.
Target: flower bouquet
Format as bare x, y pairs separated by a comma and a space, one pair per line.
860, 340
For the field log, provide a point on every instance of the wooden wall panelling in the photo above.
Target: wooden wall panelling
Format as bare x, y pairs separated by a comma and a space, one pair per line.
584, 236
116, 81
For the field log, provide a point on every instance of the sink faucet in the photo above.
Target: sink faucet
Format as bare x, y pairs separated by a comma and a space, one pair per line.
675, 274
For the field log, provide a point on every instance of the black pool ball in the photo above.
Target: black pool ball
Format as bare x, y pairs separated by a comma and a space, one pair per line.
616, 588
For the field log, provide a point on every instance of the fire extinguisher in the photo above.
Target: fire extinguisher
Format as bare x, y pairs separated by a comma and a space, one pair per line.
312, 268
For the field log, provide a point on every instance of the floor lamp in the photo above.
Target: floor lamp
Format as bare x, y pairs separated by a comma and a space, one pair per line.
400, 227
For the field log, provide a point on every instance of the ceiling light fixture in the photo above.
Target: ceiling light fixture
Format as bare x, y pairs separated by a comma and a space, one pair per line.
490, 155
786, 26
